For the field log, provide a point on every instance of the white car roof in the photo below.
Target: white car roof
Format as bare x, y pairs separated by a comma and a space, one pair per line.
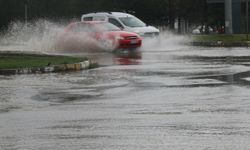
115, 14
120, 14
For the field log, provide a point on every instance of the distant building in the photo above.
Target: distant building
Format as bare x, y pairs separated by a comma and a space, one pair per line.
238, 15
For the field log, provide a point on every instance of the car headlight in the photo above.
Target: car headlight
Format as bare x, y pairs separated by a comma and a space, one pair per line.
139, 33
119, 38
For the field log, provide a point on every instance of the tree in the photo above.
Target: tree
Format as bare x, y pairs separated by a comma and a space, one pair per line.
160, 12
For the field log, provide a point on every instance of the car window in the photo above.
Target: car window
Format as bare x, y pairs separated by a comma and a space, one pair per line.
132, 22
98, 27
99, 18
115, 22
88, 18
81, 27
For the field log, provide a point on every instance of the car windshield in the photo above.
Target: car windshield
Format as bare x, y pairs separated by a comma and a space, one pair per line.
98, 27
106, 27
132, 22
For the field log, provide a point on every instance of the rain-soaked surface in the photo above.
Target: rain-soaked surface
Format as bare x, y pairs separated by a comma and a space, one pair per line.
188, 98
173, 97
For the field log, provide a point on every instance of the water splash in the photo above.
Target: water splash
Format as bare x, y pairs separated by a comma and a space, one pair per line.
46, 37
84, 42
165, 42
42, 36
36, 36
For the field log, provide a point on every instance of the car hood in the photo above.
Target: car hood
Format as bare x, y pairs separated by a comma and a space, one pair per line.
121, 33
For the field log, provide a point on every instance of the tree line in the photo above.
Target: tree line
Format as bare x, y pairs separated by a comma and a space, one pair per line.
159, 12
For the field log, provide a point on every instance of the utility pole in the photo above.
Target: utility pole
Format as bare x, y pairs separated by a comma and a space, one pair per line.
205, 13
247, 22
171, 14
228, 17
26, 12
180, 15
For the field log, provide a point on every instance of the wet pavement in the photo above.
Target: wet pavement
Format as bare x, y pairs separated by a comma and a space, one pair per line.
181, 98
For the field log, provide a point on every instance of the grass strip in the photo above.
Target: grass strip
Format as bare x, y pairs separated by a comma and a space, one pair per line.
233, 38
16, 61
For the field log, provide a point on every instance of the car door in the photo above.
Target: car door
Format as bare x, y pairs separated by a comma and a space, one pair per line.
116, 23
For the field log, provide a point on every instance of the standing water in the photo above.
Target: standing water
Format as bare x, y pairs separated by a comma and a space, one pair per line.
165, 96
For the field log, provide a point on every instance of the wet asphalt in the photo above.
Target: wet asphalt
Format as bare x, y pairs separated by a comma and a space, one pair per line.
181, 98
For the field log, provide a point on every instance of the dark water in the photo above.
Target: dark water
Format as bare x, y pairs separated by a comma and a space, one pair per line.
183, 98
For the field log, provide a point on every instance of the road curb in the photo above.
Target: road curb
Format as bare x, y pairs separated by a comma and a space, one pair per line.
221, 44
49, 69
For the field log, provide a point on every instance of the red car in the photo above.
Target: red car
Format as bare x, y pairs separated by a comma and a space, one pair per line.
90, 35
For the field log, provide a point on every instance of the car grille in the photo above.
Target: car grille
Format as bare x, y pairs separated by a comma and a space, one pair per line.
151, 34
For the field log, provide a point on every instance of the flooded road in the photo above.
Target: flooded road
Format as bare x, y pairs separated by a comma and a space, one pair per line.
182, 98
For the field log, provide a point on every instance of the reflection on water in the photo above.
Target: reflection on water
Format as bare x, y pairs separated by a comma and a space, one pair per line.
181, 99
127, 57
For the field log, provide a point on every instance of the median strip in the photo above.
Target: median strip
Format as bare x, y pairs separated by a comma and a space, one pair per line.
22, 63
221, 40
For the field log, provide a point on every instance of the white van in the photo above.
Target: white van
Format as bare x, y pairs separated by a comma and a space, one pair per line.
124, 21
